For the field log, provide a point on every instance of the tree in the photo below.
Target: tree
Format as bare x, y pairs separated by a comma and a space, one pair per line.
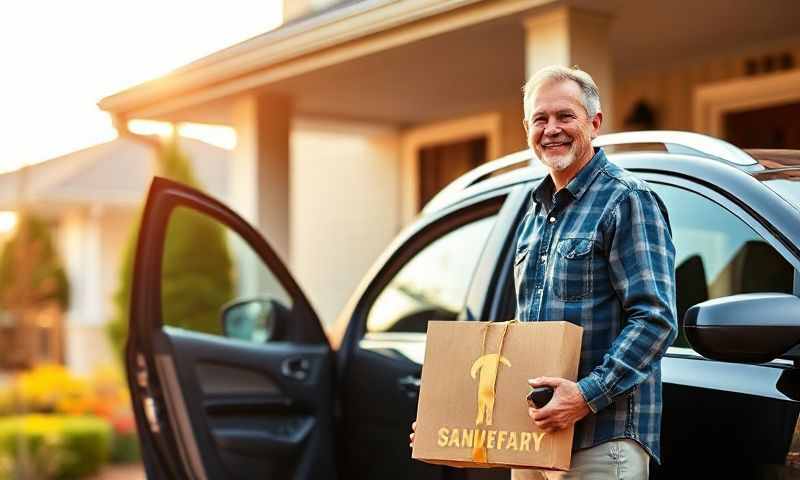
31, 273
196, 277
34, 292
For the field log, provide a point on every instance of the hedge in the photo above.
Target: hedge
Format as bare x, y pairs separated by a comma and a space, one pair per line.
53, 446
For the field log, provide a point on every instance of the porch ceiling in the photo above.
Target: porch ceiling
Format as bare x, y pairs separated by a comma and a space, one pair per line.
649, 33
463, 71
481, 67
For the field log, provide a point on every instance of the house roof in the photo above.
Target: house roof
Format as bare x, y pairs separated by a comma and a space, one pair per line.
348, 30
116, 173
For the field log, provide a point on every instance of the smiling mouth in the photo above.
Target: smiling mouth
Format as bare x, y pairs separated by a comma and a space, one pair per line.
556, 145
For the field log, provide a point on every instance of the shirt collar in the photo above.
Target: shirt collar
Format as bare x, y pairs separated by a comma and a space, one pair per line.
579, 183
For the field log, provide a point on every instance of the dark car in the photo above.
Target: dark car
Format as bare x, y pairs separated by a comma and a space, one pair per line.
271, 396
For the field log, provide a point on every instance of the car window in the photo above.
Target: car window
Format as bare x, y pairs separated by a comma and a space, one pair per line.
433, 284
717, 254
207, 268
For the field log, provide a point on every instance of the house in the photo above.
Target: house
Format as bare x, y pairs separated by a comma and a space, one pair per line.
353, 113
92, 199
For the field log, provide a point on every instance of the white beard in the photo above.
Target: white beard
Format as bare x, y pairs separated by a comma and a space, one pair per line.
560, 162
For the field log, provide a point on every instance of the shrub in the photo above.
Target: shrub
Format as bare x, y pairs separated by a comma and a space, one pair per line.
125, 447
53, 446
52, 389
197, 266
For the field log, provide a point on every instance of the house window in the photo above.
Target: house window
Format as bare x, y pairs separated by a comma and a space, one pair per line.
769, 127
441, 164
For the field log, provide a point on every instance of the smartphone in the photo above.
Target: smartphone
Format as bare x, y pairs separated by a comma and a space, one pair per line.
539, 396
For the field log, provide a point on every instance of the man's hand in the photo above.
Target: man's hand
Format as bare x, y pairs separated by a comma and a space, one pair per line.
567, 406
411, 436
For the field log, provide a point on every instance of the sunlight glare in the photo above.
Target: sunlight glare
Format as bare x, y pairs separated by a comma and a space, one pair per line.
8, 220
57, 70
151, 127
218, 135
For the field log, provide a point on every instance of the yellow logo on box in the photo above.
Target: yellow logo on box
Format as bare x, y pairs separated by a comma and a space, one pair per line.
488, 366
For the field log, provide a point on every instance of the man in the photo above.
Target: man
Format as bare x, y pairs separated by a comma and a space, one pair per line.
595, 249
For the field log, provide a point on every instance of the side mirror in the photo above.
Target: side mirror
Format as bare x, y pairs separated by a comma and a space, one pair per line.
252, 320
747, 328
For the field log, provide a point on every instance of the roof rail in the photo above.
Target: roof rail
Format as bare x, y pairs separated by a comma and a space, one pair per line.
671, 141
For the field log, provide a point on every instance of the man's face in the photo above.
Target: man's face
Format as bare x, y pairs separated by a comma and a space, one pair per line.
559, 129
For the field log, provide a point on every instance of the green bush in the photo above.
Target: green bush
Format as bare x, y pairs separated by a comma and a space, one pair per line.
125, 448
53, 446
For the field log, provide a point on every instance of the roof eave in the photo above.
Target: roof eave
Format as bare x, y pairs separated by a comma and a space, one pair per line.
302, 47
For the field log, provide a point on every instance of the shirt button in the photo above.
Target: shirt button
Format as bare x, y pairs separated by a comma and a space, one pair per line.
552, 219
544, 258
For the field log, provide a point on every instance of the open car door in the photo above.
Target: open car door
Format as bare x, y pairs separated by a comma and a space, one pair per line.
230, 372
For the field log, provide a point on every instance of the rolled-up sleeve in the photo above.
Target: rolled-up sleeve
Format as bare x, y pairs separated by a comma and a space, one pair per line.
641, 258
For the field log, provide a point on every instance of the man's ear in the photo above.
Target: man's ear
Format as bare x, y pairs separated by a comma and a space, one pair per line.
525, 125
597, 120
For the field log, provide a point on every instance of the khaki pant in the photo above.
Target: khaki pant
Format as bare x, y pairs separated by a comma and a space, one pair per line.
613, 460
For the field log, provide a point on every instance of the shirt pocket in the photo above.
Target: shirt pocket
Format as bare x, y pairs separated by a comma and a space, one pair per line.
572, 274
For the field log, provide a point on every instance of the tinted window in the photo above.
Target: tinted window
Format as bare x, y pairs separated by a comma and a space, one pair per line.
207, 267
717, 254
433, 284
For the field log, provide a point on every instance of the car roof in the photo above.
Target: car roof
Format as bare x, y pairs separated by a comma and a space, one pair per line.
666, 151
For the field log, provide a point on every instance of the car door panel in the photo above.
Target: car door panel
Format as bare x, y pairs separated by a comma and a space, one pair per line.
720, 418
213, 407
381, 408
725, 419
273, 412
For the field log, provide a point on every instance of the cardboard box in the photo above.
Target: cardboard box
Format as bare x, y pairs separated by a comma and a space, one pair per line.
472, 410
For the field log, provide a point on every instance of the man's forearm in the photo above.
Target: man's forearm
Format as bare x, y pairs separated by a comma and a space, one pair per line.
639, 347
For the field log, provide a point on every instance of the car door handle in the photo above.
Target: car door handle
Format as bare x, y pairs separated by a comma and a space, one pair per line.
409, 385
296, 368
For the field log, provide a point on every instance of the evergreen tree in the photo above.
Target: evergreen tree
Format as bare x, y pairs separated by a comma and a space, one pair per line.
196, 277
31, 272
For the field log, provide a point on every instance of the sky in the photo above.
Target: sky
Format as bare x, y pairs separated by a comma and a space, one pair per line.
58, 59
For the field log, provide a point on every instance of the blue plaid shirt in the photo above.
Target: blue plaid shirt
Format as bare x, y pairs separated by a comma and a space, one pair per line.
599, 254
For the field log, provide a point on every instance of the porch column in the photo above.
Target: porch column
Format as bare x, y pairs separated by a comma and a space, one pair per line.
80, 237
260, 171
569, 36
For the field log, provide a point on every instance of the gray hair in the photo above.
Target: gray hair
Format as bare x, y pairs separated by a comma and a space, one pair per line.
557, 73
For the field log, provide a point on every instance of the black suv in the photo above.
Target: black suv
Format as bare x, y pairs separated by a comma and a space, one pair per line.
271, 396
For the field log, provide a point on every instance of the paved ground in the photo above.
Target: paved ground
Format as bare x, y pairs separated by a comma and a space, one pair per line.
121, 472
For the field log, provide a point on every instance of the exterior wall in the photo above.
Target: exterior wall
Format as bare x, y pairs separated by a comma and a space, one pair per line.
336, 233
345, 181
92, 244
669, 89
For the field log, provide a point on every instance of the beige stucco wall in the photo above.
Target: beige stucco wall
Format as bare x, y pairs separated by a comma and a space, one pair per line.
345, 206
669, 88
